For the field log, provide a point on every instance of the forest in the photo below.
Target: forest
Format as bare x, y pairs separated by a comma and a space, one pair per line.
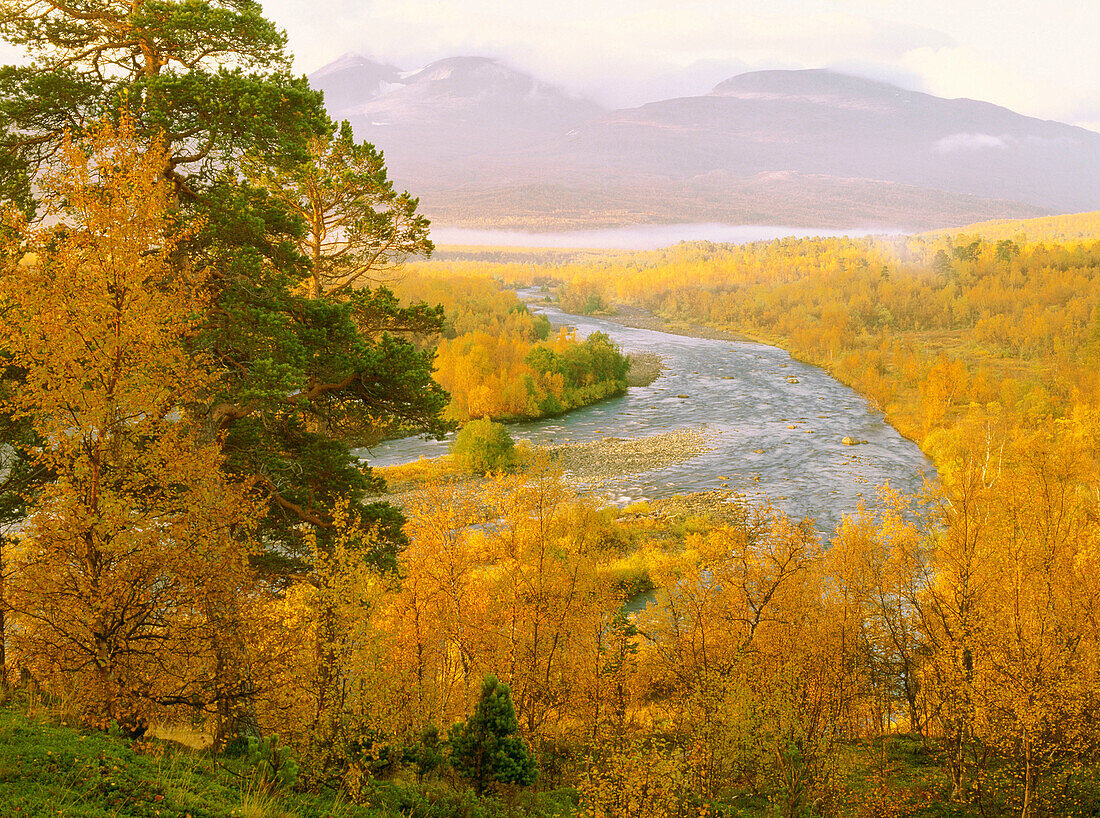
497, 360
210, 298
984, 352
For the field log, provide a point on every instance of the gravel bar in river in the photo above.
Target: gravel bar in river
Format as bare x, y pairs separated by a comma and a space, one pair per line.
742, 416
600, 461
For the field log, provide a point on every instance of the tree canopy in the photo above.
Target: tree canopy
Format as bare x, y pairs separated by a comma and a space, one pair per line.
356, 224
210, 78
155, 301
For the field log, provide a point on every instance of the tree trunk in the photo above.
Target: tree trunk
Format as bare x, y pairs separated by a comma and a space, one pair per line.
1025, 810
236, 707
233, 690
4, 687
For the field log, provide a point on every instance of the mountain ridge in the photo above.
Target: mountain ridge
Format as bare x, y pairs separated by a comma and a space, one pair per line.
462, 128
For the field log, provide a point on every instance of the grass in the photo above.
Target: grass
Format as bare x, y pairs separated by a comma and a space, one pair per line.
49, 768
184, 736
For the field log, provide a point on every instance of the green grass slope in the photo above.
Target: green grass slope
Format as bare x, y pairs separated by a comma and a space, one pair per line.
54, 769
49, 767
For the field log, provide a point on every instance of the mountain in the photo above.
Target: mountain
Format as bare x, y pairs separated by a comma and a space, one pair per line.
484, 144
824, 123
790, 199
448, 122
350, 80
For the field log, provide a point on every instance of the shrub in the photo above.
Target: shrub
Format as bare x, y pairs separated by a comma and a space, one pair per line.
483, 446
273, 766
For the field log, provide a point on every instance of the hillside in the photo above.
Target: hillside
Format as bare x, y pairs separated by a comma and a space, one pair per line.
211, 606
821, 122
792, 199
1067, 227
452, 121
487, 145
50, 767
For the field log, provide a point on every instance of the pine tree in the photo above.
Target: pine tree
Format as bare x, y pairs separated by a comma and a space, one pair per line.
357, 227
486, 748
210, 78
296, 381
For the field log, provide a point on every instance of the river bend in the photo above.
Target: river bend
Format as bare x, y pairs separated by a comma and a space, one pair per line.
771, 438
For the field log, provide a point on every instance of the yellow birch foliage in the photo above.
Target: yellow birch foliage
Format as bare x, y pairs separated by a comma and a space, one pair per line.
630, 779
551, 601
1041, 683
1010, 611
137, 534
506, 578
439, 614
877, 561
741, 660
336, 695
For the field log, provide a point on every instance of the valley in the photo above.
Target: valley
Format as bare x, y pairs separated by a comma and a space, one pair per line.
767, 439
748, 464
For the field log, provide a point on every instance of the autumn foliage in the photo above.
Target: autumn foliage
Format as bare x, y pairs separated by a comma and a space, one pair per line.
195, 544
137, 545
498, 360
963, 622
964, 618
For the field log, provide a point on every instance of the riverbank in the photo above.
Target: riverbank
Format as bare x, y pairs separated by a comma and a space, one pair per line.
594, 463
628, 315
589, 465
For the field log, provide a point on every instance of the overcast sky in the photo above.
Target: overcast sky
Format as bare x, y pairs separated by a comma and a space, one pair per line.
1037, 57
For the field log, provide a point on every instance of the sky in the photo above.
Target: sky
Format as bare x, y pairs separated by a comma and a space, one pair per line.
1038, 57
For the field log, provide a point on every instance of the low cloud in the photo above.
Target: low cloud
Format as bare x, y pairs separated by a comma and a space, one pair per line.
626, 52
969, 142
985, 141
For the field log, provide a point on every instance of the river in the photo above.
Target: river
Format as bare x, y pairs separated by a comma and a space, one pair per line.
772, 440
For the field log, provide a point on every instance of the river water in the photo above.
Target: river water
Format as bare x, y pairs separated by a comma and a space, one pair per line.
772, 440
